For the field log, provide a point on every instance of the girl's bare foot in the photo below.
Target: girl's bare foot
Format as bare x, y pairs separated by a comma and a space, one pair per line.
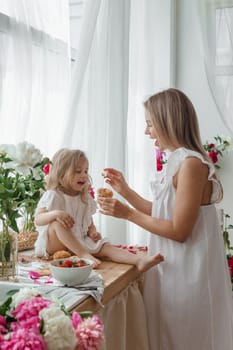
146, 262
96, 262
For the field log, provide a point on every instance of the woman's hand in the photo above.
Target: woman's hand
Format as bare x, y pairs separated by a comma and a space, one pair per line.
116, 179
113, 207
64, 219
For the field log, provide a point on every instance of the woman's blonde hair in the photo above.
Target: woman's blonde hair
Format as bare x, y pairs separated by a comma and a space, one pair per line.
175, 120
64, 162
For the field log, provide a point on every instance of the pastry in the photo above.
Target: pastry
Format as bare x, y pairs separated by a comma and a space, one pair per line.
105, 192
61, 254
44, 271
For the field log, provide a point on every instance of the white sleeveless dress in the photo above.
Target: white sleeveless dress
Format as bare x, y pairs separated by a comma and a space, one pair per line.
81, 212
188, 297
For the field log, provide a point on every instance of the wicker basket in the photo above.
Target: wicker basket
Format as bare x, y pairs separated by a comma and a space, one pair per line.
26, 240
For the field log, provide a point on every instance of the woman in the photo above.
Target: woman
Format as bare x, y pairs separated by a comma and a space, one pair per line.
188, 297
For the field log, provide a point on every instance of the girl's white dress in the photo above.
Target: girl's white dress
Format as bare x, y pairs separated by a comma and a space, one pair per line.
80, 210
188, 297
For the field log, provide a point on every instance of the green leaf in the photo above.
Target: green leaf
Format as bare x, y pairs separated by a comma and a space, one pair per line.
85, 314
5, 306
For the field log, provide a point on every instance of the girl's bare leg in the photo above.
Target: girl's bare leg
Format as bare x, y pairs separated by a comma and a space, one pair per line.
59, 238
143, 262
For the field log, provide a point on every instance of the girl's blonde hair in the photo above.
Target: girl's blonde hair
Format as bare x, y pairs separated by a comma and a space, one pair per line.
64, 163
175, 120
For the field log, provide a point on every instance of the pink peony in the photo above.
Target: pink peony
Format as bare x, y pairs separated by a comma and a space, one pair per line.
30, 308
41, 324
230, 264
213, 156
90, 334
23, 339
211, 145
32, 323
159, 159
76, 319
3, 325
159, 165
92, 192
46, 168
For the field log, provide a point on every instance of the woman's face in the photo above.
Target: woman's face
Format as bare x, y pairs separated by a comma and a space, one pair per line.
151, 131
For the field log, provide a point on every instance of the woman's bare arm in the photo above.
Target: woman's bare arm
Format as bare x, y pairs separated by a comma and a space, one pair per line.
191, 181
116, 179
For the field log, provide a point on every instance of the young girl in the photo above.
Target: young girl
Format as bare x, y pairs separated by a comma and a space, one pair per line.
188, 298
64, 215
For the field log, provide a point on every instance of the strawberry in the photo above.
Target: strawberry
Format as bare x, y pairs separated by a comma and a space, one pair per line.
67, 263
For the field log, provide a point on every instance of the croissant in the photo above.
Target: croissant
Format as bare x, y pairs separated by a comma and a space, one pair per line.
61, 254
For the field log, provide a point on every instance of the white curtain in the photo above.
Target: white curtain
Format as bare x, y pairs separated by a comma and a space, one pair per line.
97, 108
152, 31
34, 71
124, 54
217, 31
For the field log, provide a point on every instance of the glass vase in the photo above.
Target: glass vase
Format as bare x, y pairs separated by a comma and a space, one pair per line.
8, 254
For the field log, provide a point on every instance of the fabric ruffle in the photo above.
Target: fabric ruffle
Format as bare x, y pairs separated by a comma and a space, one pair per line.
173, 165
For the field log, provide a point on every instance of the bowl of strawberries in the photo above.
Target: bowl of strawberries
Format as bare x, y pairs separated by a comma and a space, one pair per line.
71, 271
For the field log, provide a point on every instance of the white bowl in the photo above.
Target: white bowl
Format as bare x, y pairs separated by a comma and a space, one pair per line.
71, 276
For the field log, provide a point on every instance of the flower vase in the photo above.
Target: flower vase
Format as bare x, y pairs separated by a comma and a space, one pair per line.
8, 254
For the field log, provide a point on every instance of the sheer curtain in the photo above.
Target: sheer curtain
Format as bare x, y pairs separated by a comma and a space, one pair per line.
34, 71
125, 54
97, 107
151, 62
217, 30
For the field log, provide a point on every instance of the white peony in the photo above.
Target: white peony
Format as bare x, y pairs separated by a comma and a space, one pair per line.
23, 294
59, 331
229, 140
24, 157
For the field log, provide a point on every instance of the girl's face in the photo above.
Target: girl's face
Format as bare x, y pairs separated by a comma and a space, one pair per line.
78, 179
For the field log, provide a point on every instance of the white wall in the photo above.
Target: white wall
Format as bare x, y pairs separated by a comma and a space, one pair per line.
191, 78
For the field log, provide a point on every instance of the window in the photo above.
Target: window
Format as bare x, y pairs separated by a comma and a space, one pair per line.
76, 14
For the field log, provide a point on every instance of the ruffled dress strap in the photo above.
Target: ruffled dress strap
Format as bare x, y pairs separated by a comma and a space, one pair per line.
174, 163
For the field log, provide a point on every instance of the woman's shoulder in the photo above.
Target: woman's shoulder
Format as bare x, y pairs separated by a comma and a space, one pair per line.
182, 153
186, 158
194, 167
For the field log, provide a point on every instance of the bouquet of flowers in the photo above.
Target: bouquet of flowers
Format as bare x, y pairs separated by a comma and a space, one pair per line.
216, 149
23, 164
36, 323
225, 228
160, 159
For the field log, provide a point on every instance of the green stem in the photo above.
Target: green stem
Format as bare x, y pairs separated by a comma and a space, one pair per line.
8, 253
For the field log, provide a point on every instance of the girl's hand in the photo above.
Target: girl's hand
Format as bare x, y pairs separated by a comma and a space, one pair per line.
113, 207
95, 236
65, 219
115, 179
